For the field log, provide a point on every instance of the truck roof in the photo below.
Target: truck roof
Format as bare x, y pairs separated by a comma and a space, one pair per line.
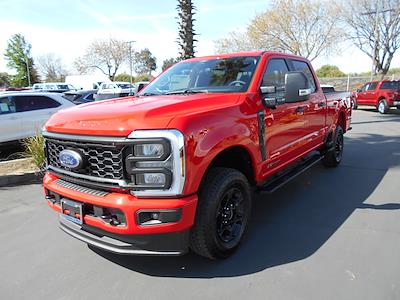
244, 53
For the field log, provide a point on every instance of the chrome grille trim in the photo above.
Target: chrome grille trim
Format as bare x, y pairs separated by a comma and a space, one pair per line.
85, 138
103, 161
78, 188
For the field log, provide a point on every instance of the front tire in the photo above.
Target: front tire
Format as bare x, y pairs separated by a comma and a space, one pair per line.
334, 156
354, 104
383, 107
222, 213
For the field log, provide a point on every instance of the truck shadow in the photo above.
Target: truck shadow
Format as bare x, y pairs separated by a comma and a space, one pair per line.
294, 222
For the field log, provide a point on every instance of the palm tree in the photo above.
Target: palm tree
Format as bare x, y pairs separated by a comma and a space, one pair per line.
186, 32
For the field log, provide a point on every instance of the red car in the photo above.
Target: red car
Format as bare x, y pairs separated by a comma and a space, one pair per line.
381, 94
174, 168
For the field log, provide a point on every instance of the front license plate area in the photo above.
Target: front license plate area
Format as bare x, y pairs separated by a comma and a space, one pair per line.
72, 211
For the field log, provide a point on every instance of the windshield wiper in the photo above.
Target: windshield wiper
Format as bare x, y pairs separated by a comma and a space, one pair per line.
185, 92
149, 94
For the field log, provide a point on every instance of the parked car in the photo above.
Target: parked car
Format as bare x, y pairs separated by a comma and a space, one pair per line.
23, 114
175, 168
381, 94
80, 96
58, 87
116, 89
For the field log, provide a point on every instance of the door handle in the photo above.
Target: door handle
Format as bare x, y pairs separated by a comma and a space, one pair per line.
300, 110
322, 104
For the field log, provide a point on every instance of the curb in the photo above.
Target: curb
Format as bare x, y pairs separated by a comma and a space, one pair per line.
20, 179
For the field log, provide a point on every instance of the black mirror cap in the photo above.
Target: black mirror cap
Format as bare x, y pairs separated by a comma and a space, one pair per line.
358, 90
297, 87
270, 102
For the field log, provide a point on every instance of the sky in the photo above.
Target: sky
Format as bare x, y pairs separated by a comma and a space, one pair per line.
66, 28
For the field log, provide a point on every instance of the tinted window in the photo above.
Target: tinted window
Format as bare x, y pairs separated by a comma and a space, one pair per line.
275, 73
365, 87
328, 89
7, 105
372, 86
27, 103
390, 85
89, 97
305, 68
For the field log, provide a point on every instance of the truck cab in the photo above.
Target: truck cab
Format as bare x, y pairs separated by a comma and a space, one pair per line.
174, 168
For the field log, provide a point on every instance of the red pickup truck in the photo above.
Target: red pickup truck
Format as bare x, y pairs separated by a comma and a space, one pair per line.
174, 168
380, 94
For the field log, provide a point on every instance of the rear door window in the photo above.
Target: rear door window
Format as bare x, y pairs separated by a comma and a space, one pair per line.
302, 66
28, 103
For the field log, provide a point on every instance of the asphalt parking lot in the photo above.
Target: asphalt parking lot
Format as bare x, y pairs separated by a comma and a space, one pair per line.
329, 234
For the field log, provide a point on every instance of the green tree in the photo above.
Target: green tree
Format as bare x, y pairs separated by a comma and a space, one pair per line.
5, 79
124, 77
169, 62
144, 62
19, 58
186, 32
330, 71
143, 78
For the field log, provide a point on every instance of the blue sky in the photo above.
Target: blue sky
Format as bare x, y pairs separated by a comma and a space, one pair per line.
66, 28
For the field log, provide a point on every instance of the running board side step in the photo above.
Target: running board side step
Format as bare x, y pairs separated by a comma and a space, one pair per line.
273, 184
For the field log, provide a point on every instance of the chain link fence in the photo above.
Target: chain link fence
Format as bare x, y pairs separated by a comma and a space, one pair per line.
350, 83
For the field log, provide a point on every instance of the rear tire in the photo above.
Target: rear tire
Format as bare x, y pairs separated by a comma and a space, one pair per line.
383, 107
334, 156
222, 213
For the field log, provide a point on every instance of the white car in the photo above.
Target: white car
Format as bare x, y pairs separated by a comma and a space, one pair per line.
53, 87
116, 89
23, 114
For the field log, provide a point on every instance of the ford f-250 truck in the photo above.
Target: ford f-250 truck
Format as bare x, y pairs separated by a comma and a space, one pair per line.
174, 168
382, 94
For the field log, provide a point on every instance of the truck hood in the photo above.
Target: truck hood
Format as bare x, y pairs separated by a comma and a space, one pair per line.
119, 117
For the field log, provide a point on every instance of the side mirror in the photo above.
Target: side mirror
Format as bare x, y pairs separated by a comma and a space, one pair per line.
358, 90
297, 87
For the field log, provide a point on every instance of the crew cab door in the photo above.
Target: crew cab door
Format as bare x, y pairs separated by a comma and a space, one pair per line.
284, 125
315, 107
370, 95
362, 94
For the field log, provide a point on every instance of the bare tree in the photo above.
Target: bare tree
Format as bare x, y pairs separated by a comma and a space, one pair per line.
186, 32
104, 55
51, 67
309, 28
375, 29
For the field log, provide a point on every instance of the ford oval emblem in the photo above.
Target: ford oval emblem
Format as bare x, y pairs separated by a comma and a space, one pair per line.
70, 159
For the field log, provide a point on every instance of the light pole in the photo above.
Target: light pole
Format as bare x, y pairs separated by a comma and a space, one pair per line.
130, 64
27, 70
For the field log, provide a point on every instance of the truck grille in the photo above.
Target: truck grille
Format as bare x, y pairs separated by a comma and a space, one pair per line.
100, 160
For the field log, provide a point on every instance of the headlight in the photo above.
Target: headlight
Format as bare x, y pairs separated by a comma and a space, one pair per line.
148, 150
156, 162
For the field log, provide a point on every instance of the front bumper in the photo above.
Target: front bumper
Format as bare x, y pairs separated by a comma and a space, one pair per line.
130, 237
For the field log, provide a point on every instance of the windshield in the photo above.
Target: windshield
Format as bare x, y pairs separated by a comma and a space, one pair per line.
231, 74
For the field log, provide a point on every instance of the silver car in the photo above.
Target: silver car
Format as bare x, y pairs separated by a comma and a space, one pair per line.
22, 114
